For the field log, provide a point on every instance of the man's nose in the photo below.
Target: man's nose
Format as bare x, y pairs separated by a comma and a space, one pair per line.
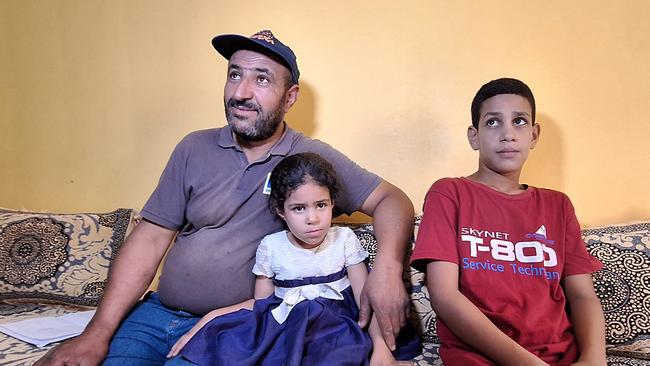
243, 90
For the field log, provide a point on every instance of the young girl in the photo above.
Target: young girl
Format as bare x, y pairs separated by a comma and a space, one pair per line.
309, 279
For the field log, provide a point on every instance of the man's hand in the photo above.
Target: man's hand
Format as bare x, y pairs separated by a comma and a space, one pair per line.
384, 293
82, 350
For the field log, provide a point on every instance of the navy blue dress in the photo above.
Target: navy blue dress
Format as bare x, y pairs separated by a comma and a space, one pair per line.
320, 331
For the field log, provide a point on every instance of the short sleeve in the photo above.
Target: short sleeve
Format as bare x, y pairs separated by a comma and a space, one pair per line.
167, 204
577, 259
437, 235
354, 252
263, 264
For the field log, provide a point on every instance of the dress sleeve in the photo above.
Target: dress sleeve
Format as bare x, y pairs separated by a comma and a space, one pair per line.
263, 259
577, 259
437, 236
354, 252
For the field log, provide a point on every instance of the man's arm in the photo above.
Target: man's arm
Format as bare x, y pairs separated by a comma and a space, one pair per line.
130, 274
468, 323
587, 319
384, 292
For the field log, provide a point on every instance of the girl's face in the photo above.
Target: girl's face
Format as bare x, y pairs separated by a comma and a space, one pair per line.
308, 214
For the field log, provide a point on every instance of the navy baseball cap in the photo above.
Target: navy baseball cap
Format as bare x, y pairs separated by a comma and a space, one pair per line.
264, 42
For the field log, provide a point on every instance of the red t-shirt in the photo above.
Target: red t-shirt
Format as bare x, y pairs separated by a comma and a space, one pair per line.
512, 251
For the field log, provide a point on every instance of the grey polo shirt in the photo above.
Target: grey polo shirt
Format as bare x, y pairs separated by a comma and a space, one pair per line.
214, 198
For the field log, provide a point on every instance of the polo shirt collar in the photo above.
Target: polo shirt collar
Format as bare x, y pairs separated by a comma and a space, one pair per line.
282, 147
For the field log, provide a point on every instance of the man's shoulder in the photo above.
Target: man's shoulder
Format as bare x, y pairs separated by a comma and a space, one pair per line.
211, 134
200, 140
302, 143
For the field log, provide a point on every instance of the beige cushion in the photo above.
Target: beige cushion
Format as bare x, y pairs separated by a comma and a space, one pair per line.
58, 258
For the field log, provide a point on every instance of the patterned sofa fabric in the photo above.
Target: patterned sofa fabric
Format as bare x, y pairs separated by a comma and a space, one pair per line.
623, 286
58, 258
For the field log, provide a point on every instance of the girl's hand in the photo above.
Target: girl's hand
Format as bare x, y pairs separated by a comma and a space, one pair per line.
178, 346
382, 357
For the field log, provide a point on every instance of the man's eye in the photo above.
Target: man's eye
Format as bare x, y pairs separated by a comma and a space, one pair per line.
263, 80
234, 75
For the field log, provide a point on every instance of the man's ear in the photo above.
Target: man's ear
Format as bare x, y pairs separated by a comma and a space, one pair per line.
291, 96
536, 131
472, 137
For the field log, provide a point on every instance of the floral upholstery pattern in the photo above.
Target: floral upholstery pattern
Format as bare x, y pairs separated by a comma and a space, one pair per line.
623, 286
58, 258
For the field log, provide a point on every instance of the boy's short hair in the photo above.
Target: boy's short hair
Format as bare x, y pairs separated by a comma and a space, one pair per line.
498, 87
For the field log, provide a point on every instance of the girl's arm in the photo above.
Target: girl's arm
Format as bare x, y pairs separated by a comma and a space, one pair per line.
467, 322
381, 354
263, 288
587, 319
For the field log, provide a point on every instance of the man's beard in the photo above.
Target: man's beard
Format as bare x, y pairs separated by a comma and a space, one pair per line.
264, 125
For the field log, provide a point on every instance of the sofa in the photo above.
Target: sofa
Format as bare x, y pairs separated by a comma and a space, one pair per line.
55, 264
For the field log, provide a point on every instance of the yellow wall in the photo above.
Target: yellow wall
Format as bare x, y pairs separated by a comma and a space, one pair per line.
95, 94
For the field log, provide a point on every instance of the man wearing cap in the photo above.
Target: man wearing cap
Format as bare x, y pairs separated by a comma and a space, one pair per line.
212, 198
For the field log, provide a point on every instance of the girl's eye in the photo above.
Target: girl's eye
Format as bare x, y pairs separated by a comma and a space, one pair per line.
298, 208
321, 204
520, 122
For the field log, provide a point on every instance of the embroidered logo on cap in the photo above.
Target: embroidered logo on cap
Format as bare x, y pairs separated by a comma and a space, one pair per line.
264, 35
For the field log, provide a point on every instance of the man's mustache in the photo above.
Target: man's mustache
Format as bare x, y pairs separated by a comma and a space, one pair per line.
245, 104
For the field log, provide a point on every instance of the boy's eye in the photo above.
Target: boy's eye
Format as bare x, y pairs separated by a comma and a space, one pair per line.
520, 121
492, 122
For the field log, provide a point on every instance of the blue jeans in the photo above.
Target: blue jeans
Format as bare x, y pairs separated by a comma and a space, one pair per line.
148, 333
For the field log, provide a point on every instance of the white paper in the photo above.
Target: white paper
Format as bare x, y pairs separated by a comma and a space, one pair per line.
41, 331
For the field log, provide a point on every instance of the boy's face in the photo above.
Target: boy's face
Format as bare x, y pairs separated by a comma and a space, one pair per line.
505, 134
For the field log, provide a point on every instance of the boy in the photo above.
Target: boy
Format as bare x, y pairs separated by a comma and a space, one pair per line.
503, 258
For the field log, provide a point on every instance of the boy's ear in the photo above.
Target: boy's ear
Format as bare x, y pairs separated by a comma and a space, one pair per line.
535, 137
472, 137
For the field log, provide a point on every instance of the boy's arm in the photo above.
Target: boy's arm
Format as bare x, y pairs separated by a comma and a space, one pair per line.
587, 319
468, 323
263, 289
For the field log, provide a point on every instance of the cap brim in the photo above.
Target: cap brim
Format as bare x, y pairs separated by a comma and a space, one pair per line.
227, 44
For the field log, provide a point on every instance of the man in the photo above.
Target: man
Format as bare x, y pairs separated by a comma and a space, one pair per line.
212, 197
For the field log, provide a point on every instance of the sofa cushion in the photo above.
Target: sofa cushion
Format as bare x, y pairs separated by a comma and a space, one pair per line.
422, 316
58, 258
623, 285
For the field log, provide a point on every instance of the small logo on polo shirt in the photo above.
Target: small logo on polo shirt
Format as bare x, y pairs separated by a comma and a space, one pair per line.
267, 185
